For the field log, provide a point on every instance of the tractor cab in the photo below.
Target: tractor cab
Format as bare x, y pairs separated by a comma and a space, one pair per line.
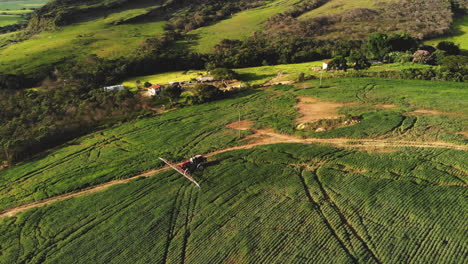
194, 163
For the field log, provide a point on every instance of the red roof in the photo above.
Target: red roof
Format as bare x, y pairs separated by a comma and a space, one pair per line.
156, 86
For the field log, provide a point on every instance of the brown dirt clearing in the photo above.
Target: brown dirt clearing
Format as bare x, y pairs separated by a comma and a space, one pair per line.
313, 109
433, 113
387, 106
242, 125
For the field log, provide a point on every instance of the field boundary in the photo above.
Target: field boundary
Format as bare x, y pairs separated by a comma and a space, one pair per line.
259, 138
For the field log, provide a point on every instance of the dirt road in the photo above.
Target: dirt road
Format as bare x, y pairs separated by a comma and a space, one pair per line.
261, 137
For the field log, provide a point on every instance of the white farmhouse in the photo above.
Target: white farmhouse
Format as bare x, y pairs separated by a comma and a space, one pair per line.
114, 88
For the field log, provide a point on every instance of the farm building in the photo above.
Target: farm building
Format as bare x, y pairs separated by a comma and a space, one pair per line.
325, 65
205, 79
114, 88
154, 90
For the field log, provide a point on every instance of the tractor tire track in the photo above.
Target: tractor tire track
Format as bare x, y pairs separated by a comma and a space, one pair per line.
345, 221
325, 219
259, 138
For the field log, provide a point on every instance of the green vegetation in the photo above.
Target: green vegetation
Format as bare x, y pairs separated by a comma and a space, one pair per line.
20, 4
338, 6
460, 35
278, 204
134, 147
239, 26
94, 37
6, 20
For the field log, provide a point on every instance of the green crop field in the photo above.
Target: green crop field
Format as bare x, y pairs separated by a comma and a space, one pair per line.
239, 26
287, 203
100, 37
277, 203
460, 35
132, 148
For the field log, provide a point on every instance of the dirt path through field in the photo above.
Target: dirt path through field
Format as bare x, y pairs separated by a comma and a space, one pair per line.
259, 138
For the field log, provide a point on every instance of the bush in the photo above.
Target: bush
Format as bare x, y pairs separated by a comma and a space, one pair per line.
422, 57
338, 63
205, 93
449, 47
223, 74
438, 56
172, 93
358, 60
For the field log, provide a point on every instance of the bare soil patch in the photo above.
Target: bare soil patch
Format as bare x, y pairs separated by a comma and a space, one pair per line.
387, 106
313, 109
464, 133
433, 113
242, 125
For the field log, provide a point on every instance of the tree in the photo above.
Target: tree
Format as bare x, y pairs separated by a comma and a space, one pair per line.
172, 92
358, 60
378, 45
223, 74
206, 92
338, 63
403, 42
147, 84
449, 47
422, 57
301, 77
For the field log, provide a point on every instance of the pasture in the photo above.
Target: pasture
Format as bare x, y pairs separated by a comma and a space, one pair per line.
6, 20
134, 147
263, 74
286, 203
101, 37
20, 4
239, 26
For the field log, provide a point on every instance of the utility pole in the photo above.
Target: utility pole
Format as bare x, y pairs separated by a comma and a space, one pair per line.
239, 124
321, 73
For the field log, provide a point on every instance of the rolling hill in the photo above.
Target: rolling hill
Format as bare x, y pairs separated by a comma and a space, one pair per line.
113, 29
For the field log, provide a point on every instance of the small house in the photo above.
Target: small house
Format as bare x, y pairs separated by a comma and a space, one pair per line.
155, 90
205, 79
114, 88
325, 65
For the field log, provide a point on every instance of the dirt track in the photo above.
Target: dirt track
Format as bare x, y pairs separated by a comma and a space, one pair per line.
261, 137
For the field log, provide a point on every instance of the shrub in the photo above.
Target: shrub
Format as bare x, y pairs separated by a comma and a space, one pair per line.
358, 60
338, 63
422, 57
449, 47
223, 74
205, 93
172, 93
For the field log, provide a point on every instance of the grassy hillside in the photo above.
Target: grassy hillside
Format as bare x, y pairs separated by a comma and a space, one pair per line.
100, 37
460, 35
263, 74
277, 204
20, 4
129, 149
240, 26
338, 6
6, 20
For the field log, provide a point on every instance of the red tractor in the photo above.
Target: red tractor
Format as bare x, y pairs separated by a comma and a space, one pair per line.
193, 164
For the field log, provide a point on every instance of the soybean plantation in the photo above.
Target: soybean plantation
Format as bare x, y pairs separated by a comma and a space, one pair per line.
132, 148
284, 203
